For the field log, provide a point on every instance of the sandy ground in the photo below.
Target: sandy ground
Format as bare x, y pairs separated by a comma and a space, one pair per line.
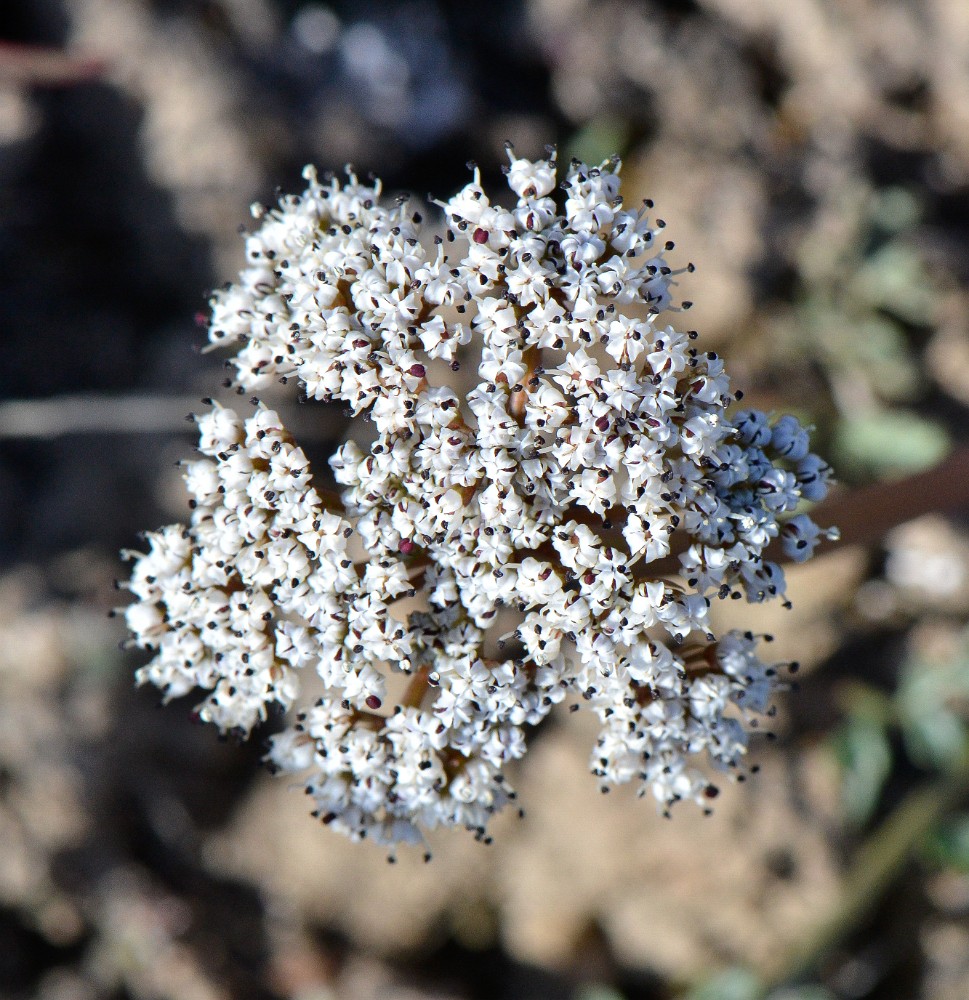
812, 159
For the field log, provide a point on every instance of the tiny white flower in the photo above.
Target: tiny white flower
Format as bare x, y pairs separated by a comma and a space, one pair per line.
595, 444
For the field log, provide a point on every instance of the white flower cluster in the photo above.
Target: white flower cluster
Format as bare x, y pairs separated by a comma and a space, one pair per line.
586, 499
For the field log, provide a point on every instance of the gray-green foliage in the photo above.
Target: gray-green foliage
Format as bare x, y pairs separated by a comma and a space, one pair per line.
741, 984
928, 711
865, 285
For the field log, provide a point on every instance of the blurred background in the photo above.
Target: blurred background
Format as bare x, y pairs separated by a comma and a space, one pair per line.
812, 158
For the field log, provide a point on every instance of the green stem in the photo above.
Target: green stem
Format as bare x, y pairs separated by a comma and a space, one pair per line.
876, 865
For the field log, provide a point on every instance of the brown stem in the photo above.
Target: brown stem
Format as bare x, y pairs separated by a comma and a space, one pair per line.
417, 688
532, 359
453, 762
699, 660
369, 719
331, 500
35, 65
865, 515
